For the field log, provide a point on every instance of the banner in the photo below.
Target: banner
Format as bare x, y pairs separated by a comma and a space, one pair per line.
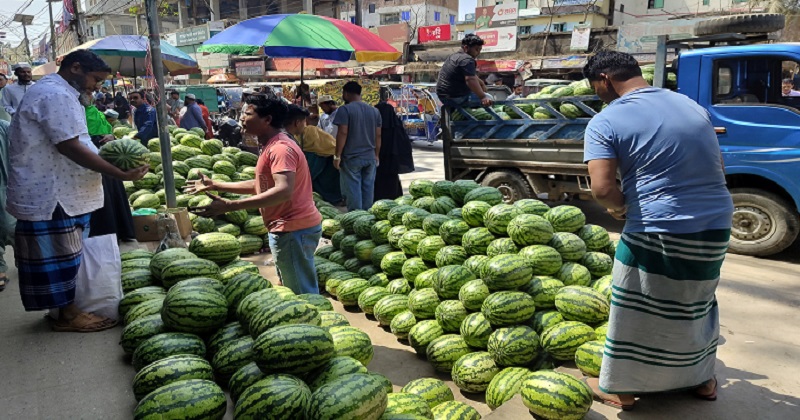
581, 35
434, 33
497, 26
250, 68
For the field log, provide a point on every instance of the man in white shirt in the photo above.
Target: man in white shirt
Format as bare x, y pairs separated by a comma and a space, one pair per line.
3, 82
328, 107
54, 183
13, 92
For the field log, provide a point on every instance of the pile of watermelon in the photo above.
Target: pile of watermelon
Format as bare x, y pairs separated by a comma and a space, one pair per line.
192, 156
495, 294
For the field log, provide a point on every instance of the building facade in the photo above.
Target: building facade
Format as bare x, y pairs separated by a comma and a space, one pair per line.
415, 13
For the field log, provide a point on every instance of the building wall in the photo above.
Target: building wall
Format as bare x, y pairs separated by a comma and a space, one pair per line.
633, 11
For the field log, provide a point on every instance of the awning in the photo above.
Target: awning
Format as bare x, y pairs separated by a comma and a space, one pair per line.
422, 67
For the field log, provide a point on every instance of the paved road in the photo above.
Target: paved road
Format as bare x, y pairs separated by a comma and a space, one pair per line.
48, 375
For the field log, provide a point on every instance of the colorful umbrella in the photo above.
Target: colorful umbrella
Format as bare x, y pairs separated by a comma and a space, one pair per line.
301, 36
223, 78
127, 54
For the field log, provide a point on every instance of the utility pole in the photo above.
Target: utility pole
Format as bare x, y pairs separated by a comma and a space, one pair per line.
52, 31
151, 10
359, 20
25, 20
308, 6
78, 22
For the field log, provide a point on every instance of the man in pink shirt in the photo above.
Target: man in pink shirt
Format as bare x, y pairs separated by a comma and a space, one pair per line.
281, 191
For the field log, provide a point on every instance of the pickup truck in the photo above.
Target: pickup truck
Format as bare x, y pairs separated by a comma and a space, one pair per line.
757, 125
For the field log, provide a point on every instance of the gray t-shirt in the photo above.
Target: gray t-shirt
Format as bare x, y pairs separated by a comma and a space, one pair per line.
362, 120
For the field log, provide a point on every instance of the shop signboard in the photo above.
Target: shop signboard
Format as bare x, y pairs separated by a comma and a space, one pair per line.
434, 33
191, 36
497, 26
252, 68
642, 37
581, 34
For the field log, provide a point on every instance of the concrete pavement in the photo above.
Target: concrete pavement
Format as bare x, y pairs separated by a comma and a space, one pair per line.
48, 375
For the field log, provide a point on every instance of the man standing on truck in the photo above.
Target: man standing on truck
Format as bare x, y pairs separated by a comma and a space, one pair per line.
458, 81
677, 213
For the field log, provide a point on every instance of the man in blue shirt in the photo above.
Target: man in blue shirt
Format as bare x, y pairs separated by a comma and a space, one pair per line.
663, 326
144, 117
194, 115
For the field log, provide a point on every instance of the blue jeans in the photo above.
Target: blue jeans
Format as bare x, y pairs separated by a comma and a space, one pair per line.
460, 100
294, 258
357, 179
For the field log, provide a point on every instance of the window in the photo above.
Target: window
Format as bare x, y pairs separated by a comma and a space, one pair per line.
390, 18
524, 30
91, 31
126, 30
372, 8
405, 16
437, 16
757, 81
523, 4
452, 19
706, 2
558, 27
656, 4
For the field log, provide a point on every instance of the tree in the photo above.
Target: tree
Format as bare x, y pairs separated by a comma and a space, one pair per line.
415, 21
786, 7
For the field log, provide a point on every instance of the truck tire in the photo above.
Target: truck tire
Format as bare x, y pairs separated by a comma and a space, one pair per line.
745, 24
763, 223
513, 185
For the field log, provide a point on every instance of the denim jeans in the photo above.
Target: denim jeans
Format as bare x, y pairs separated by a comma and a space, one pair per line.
293, 253
460, 100
357, 179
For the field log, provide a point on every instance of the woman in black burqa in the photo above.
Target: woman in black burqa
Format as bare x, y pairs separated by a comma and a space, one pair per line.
395, 153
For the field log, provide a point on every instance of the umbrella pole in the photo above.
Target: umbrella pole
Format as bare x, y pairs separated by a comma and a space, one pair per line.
113, 88
302, 97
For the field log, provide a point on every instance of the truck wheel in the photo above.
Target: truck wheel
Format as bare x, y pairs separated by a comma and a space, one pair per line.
745, 24
513, 186
763, 223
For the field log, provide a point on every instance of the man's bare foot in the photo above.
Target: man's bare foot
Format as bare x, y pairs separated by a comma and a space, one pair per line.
621, 401
707, 390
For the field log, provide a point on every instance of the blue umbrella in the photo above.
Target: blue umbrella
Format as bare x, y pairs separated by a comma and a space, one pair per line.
127, 54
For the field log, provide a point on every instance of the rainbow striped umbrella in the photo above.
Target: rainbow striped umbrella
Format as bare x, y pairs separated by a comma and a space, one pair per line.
127, 55
301, 36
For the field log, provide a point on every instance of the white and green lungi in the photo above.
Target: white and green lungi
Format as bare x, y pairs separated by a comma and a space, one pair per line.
663, 326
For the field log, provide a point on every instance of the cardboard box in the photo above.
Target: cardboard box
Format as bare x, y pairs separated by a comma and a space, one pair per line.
146, 227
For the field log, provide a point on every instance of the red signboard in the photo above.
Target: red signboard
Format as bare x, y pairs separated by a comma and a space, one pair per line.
434, 33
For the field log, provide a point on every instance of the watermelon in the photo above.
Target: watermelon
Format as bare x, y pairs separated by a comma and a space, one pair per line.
328, 319
190, 398
250, 244
349, 291
444, 350
164, 345
151, 305
406, 403
423, 303
228, 332
363, 225
284, 312
477, 240
350, 341
449, 314
370, 296
475, 330
506, 308
490, 195
426, 279
455, 410
595, 237
275, 396
232, 356
561, 340
337, 366
433, 391
428, 247
380, 209
413, 267
455, 213
367, 271
353, 396
543, 259
337, 257
139, 330
611, 248
543, 290
556, 395
237, 217
135, 279
389, 306
380, 279
441, 189
220, 248
449, 280
379, 232
336, 238
387, 384
246, 376
603, 285
211, 147
420, 188
513, 346
125, 154
136, 264
363, 250
194, 310
293, 349
423, 333
348, 245
395, 215
432, 223
589, 357
505, 385
398, 287
529, 229
501, 246
247, 158
318, 301
392, 263
474, 212
472, 294
240, 286
474, 371
410, 240
423, 203
188, 268
452, 231
569, 245
460, 188
580, 303
379, 252
234, 230
598, 263
507, 272
146, 201
450, 255
602, 331
404, 200
532, 206
475, 263
255, 226
572, 274
442, 205
402, 323
565, 218
330, 227
498, 217
136, 254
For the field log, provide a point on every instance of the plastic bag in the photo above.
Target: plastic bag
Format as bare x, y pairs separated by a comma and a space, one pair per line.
168, 231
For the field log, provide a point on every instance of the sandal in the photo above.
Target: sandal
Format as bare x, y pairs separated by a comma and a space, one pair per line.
84, 322
707, 397
610, 403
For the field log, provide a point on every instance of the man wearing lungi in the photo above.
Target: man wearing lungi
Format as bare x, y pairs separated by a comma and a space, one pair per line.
54, 183
664, 320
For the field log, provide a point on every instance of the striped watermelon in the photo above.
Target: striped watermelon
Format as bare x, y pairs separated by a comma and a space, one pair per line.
563, 339
432, 223
505, 385
246, 376
220, 248
188, 399
252, 304
379, 252
474, 371
254, 226
450, 255
293, 348
507, 308
426, 279
601, 332
598, 263
573, 274
460, 189
389, 306
362, 226
402, 323
144, 309
330, 227
395, 215
498, 217
228, 332
246, 158
441, 189
380, 279
232, 229
490, 195
407, 403
349, 291
455, 213
420, 188
529, 229
475, 330
603, 285
543, 320
328, 319
379, 232
187, 269
583, 304
135, 264
136, 332
149, 181
337, 366
276, 397
428, 247
611, 249
589, 357
513, 346
370, 296
164, 345
474, 212
595, 237
211, 147
449, 314
433, 391
477, 240
232, 356
135, 279
423, 203
449, 280
353, 396
412, 267
348, 245
569, 245
413, 218
380, 209
367, 271
544, 260
532, 206
455, 410
392, 263
410, 241
452, 231
350, 341
237, 217
167, 256
443, 351
136, 254
125, 154
501, 246
168, 370
556, 395
423, 303
422, 334
475, 262
443, 205
284, 312
250, 244
472, 294
565, 218
387, 384
241, 286
194, 310
398, 287
507, 272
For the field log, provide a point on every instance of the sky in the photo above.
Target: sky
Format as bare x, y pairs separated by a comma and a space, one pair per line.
465, 6
41, 21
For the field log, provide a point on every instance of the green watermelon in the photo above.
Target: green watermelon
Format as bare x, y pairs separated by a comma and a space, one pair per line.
490, 195
423, 333
507, 272
574, 274
603, 285
443, 205
532, 206
441, 189
498, 217
352, 396
565, 218
598, 263
474, 212
220, 248
556, 395
293, 348
475, 264
472, 294
449, 280
580, 303
395, 215
433, 391
476, 240
402, 323
595, 237
135, 279
428, 247
188, 268
449, 314
543, 259
543, 320
563, 339
190, 398
404, 200
474, 371
420, 188
164, 345
283, 312
443, 351
513, 346
388, 307
423, 303
475, 330
125, 154
452, 231
136, 254
412, 267
228, 332
569, 245
380, 209
379, 232
589, 357
426, 279
350, 341
329, 319
506, 308
413, 218
151, 306
246, 376
460, 189
194, 310
139, 330
402, 404
423, 203
363, 225
232, 356
505, 385
451, 255
543, 290
370, 296
501, 246
455, 410
398, 287
529, 229
275, 396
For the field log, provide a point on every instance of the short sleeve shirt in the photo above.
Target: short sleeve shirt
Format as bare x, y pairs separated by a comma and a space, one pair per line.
40, 177
362, 121
668, 158
282, 154
456, 68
